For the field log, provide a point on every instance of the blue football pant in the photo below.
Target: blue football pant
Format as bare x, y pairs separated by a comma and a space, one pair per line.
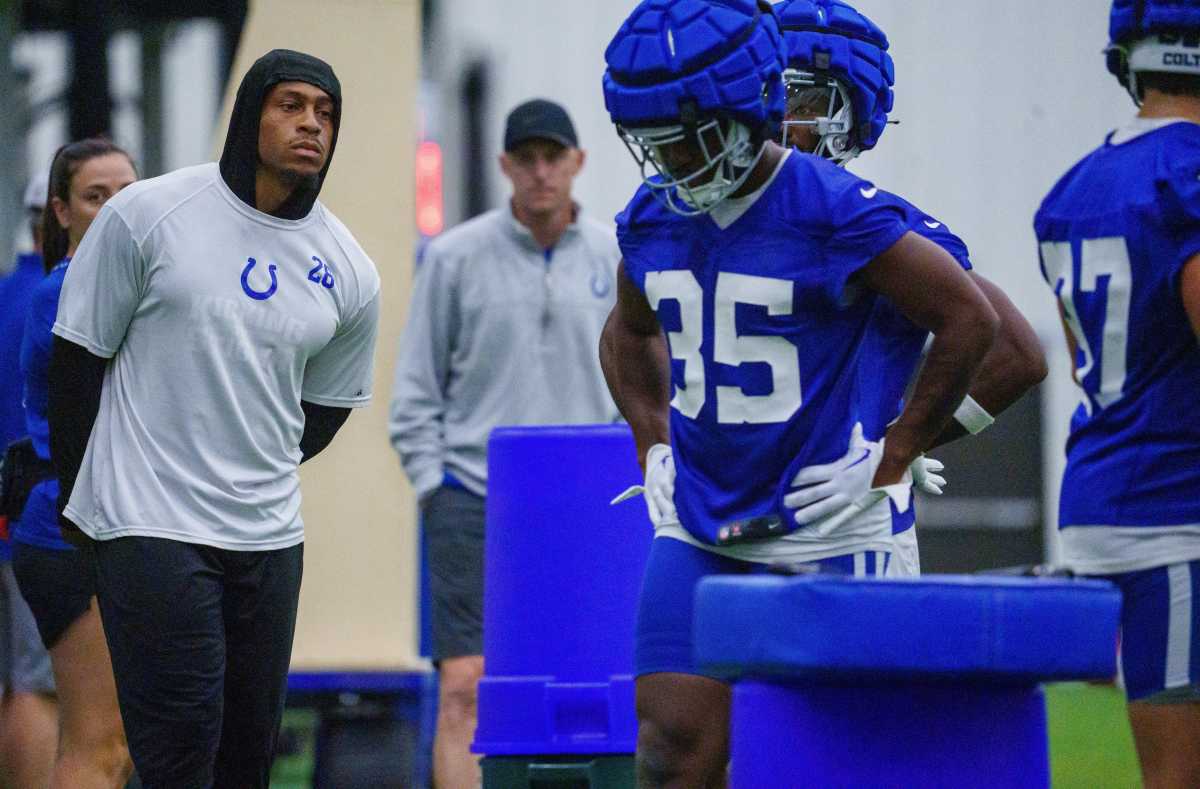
1160, 631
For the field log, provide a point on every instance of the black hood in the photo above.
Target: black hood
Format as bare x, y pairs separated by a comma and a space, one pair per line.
239, 160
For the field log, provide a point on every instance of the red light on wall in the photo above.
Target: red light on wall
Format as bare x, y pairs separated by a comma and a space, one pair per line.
430, 216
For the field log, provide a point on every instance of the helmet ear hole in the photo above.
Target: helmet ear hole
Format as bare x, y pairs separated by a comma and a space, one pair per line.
1116, 58
1118, 64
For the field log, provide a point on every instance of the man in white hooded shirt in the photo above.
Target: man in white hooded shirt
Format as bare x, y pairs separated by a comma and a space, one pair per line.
215, 327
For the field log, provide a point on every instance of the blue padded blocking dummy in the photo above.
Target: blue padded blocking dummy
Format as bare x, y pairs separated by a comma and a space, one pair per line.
562, 573
901, 682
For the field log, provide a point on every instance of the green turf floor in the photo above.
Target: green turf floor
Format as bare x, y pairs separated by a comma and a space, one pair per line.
293, 767
1090, 743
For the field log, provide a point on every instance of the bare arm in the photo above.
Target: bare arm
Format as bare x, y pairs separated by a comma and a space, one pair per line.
931, 290
1189, 291
1014, 365
637, 365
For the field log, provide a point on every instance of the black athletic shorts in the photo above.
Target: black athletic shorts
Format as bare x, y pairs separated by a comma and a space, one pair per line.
452, 519
58, 585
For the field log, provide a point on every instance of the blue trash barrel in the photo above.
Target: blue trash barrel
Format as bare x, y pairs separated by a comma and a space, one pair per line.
562, 573
927, 682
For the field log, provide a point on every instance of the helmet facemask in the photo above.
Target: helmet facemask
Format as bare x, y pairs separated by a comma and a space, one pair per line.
820, 103
725, 152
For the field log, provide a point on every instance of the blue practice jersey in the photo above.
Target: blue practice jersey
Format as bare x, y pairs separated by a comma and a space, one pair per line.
16, 291
1114, 234
765, 331
38, 524
894, 342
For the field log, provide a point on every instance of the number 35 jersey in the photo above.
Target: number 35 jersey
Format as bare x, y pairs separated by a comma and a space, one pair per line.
764, 328
1114, 235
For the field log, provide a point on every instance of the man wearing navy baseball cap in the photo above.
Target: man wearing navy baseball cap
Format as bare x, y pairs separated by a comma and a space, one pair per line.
505, 320
539, 119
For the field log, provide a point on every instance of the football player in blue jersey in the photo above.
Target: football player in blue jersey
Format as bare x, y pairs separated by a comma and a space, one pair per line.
839, 80
1119, 243
749, 277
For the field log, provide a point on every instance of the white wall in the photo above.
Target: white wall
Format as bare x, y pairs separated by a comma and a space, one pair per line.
537, 48
995, 102
191, 92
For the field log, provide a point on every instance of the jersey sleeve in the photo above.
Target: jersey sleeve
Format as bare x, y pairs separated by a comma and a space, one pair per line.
865, 224
340, 374
1179, 189
35, 361
941, 235
624, 234
640, 219
39, 321
931, 229
927, 227
103, 287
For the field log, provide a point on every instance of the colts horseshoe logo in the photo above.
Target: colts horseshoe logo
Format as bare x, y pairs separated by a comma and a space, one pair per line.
258, 295
600, 284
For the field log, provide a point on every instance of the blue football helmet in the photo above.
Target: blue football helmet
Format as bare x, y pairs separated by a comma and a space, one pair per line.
1152, 35
695, 88
838, 78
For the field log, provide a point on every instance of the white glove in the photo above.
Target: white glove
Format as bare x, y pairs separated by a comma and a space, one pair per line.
659, 490
926, 477
818, 491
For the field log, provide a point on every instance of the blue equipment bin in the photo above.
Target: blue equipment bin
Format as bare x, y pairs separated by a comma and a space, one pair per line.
901, 682
562, 574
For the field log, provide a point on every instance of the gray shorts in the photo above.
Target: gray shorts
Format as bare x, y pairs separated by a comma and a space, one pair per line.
24, 662
453, 520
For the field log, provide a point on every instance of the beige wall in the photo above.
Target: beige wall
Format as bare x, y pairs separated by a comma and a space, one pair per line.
357, 608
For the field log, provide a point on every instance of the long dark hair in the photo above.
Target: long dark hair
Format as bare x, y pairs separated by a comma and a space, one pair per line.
66, 162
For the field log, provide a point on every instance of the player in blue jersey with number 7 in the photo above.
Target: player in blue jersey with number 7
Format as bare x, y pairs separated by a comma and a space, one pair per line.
839, 80
749, 278
1119, 237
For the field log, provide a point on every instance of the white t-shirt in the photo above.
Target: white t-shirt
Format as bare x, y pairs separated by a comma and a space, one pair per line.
218, 319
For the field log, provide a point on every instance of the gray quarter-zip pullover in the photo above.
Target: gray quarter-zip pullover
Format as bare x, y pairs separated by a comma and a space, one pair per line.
500, 332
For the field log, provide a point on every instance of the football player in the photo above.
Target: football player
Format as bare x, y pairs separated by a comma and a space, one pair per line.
1118, 238
749, 278
839, 80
